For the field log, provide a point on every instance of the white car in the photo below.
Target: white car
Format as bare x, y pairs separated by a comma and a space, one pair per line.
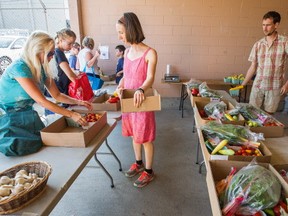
10, 49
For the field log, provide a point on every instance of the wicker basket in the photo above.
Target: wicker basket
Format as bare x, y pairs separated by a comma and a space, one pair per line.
18, 201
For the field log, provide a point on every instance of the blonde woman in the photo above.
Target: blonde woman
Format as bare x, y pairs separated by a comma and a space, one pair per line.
87, 61
20, 125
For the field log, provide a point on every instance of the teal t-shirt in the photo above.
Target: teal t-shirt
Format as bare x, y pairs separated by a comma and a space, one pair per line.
13, 97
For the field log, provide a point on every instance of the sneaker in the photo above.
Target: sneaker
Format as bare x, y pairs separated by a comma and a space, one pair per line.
144, 179
134, 170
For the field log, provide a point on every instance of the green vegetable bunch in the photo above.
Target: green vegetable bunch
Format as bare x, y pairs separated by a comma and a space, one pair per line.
259, 186
235, 134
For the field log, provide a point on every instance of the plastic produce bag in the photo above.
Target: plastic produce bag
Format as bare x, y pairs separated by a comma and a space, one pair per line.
252, 113
205, 91
216, 110
253, 188
235, 134
193, 83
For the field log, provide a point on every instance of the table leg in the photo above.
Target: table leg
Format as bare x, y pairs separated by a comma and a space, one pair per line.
107, 173
183, 96
112, 152
197, 152
200, 167
193, 125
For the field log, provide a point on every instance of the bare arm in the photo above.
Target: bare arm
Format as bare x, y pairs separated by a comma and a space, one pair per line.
90, 59
77, 64
251, 71
284, 88
33, 91
120, 86
119, 73
68, 71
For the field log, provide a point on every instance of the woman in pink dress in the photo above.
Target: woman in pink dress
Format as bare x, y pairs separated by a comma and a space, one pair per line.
139, 72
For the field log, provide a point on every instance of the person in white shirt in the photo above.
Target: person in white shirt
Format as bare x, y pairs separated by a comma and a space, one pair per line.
87, 60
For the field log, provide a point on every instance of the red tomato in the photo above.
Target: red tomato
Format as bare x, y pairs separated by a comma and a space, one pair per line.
194, 91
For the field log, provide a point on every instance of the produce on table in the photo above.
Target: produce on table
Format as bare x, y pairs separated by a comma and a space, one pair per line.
92, 117
193, 84
251, 189
234, 79
219, 146
113, 99
235, 134
195, 92
205, 91
22, 181
216, 110
228, 139
256, 117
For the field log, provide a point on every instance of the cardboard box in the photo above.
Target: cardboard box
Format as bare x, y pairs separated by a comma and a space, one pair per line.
278, 168
270, 131
151, 103
199, 105
266, 158
218, 170
108, 77
60, 133
100, 103
194, 99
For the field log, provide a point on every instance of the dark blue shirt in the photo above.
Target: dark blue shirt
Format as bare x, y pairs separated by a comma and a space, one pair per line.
119, 68
62, 81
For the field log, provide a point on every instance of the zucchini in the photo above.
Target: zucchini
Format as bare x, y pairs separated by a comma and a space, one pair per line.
209, 146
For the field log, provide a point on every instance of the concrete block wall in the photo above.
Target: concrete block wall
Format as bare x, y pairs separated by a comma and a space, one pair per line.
203, 39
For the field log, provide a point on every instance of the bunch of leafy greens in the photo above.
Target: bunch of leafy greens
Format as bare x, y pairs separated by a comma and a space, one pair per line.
260, 187
250, 112
235, 134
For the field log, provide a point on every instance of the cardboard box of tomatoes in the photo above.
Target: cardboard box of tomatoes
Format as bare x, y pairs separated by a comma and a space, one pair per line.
106, 102
65, 132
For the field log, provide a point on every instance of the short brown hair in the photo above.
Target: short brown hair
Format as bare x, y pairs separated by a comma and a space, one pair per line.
133, 29
274, 15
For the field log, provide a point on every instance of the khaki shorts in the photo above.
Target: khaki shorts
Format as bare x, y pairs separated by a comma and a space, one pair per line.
268, 99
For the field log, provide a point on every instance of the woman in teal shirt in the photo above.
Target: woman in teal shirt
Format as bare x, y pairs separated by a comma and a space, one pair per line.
23, 84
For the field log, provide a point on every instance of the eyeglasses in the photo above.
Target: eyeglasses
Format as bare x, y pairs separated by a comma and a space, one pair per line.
51, 53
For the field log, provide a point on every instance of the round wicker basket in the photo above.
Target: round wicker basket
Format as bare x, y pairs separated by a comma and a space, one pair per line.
18, 201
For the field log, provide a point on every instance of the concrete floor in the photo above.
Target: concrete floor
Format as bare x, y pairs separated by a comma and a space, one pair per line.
178, 188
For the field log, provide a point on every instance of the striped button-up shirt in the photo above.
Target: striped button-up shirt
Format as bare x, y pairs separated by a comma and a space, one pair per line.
270, 62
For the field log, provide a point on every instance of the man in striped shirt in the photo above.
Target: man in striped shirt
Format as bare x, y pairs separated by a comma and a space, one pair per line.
268, 58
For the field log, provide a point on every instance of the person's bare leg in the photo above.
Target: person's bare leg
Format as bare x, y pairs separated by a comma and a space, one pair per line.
149, 154
137, 151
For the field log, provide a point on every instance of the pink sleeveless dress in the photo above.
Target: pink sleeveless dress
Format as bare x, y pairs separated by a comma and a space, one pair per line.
140, 125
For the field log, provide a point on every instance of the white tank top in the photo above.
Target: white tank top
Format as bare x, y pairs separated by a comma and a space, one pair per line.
83, 63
